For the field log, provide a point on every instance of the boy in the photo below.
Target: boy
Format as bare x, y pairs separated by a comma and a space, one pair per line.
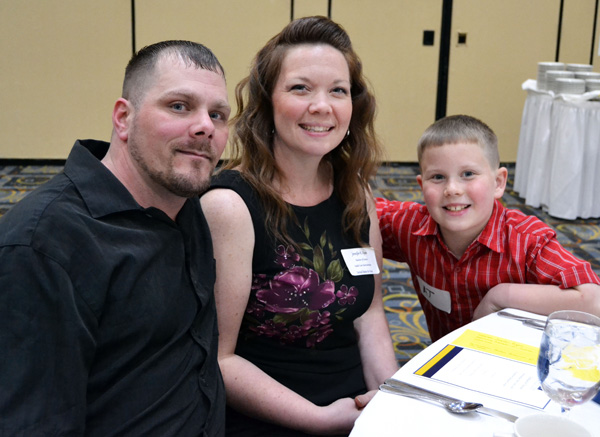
468, 255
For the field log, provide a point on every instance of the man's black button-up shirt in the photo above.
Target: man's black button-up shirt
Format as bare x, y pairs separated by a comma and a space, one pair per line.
107, 314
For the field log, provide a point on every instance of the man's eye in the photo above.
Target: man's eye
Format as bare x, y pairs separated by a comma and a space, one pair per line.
178, 106
218, 116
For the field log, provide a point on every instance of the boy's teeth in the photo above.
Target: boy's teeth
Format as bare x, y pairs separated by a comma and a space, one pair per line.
455, 208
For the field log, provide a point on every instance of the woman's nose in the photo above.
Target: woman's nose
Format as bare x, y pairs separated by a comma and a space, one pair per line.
320, 104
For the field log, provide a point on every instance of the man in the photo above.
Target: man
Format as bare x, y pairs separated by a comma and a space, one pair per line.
107, 315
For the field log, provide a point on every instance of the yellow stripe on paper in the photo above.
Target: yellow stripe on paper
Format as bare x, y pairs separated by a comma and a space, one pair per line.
441, 354
498, 346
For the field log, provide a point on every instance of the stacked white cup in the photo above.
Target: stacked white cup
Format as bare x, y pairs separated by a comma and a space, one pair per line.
541, 72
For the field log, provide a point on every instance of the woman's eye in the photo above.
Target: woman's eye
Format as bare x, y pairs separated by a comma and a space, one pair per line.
298, 88
340, 90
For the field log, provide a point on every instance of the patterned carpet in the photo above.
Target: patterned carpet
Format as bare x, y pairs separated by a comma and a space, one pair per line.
18, 180
394, 181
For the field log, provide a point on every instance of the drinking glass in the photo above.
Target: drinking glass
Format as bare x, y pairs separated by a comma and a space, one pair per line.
569, 360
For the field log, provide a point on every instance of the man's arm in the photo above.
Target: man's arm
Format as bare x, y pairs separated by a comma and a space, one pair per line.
46, 347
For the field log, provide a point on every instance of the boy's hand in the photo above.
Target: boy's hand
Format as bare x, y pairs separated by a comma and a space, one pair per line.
491, 302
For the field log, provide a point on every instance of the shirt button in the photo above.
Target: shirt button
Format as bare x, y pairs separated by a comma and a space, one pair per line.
457, 269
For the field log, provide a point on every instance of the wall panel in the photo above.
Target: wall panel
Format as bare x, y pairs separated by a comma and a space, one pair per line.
595, 54
61, 71
306, 8
576, 31
504, 42
388, 36
63, 60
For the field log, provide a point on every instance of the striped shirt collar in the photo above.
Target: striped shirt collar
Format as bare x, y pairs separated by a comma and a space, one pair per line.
490, 236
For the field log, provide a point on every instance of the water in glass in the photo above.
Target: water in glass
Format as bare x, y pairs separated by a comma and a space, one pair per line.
569, 361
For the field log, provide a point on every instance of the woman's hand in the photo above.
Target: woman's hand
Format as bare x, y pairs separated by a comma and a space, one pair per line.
336, 418
361, 401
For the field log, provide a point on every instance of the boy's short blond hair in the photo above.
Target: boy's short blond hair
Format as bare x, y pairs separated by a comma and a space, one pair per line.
461, 129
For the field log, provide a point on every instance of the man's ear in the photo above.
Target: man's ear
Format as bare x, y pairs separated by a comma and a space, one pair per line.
501, 177
121, 118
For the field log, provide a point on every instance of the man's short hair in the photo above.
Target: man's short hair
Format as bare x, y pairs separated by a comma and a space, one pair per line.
142, 65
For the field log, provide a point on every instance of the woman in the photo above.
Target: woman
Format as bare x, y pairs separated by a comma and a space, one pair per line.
301, 332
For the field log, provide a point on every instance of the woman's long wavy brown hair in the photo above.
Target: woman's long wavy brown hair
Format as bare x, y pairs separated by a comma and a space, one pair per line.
354, 161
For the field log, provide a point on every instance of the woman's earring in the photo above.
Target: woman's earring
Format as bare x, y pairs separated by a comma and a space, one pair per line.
348, 133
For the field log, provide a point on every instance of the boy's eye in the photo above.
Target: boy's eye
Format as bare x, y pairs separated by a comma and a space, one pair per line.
437, 177
468, 174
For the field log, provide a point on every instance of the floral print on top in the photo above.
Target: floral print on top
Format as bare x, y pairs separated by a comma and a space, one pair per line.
300, 329
295, 304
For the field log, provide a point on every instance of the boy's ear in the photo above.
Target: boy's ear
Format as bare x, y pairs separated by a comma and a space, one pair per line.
420, 180
501, 177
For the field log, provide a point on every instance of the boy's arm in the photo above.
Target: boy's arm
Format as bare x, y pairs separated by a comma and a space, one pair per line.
555, 280
540, 299
391, 215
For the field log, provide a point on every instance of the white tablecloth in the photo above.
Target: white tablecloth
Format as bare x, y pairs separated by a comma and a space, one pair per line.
558, 160
389, 415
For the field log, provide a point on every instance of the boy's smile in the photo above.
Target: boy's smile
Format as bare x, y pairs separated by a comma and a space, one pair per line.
460, 187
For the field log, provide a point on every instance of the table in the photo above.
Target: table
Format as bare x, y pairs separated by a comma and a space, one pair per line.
558, 159
392, 415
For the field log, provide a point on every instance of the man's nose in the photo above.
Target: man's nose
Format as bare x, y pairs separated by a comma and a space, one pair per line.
203, 125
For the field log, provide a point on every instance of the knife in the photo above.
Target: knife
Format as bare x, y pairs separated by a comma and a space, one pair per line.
527, 321
402, 388
497, 413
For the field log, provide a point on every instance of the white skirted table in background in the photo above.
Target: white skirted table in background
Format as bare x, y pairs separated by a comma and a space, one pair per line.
558, 160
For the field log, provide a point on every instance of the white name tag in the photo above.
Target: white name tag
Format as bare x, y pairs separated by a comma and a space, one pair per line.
438, 298
361, 261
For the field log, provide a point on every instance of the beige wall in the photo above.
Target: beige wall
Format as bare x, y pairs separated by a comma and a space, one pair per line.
61, 68
505, 41
63, 60
576, 35
596, 60
402, 71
